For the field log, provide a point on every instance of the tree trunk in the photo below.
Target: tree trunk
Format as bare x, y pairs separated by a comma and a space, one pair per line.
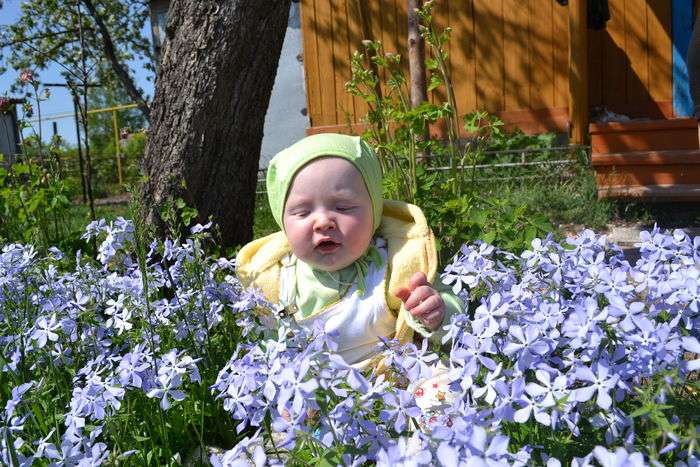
215, 78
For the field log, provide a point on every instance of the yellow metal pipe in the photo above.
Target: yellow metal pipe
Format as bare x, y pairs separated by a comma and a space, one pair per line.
116, 145
94, 111
110, 109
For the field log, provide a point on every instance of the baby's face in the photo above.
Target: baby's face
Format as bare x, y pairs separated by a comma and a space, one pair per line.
328, 214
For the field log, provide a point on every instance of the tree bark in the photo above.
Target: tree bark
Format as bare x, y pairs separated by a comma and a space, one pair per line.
215, 78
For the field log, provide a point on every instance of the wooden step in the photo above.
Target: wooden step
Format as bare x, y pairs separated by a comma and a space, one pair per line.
689, 192
616, 137
618, 172
642, 175
660, 157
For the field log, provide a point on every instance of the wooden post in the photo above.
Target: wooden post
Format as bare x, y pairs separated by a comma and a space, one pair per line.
578, 71
416, 55
416, 66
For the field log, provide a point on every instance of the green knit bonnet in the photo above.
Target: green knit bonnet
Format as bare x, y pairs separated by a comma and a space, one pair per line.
284, 166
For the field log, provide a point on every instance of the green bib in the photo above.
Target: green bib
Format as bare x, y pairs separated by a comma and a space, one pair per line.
316, 289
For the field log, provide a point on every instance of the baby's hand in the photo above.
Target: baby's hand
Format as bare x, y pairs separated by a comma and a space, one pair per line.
421, 299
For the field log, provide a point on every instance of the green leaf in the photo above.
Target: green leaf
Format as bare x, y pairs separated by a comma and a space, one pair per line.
489, 237
431, 64
20, 169
478, 216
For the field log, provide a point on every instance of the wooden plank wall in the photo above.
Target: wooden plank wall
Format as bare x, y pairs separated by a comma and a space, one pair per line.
509, 57
631, 61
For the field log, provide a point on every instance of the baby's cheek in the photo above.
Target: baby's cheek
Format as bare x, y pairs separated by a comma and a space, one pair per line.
296, 237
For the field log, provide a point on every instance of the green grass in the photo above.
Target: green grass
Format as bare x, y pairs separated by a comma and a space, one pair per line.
80, 214
565, 202
567, 196
264, 223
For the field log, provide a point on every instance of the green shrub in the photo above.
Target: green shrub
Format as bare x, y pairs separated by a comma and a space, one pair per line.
457, 208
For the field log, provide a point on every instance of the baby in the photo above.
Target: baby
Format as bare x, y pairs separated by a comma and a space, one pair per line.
361, 265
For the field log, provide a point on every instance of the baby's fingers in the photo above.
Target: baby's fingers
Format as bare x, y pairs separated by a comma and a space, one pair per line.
417, 279
418, 296
403, 294
431, 318
426, 307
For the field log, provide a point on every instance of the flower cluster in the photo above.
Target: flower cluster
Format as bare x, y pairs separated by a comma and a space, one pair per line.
95, 344
568, 333
313, 398
566, 354
27, 76
563, 337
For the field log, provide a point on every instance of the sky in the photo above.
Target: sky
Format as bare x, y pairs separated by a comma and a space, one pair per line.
60, 101
285, 121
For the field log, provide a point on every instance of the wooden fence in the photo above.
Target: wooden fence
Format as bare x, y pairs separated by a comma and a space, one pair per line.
509, 57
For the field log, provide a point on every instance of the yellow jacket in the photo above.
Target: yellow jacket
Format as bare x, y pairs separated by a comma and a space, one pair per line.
410, 244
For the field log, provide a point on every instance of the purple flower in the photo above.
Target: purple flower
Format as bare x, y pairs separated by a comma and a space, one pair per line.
96, 400
45, 330
492, 310
691, 344
294, 385
550, 391
602, 383
469, 353
132, 367
399, 407
97, 455
614, 422
167, 390
619, 311
553, 329
405, 452
198, 228
507, 397
46, 450
236, 457
16, 398
119, 315
529, 407
619, 458
448, 455
491, 450
488, 391
414, 363
526, 343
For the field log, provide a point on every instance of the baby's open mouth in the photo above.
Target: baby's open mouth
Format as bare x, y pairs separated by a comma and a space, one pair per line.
327, 246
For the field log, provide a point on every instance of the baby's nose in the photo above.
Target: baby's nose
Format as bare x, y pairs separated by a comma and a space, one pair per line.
324, 222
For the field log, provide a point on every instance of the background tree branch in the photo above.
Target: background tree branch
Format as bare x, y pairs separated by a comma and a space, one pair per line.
119, 69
